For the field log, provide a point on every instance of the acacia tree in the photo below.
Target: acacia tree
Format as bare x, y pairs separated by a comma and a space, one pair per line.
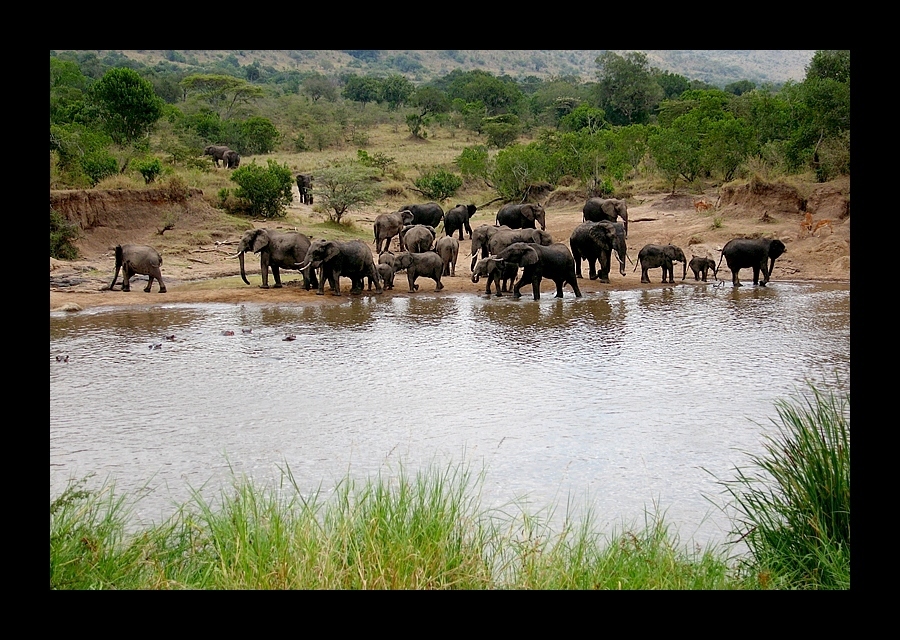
342, 187
224, 94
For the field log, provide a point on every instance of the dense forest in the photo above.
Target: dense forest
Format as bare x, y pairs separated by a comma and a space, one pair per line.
117, 115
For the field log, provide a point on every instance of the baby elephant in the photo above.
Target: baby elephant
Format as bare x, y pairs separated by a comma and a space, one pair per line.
386, 273
138, 258
702, 266
427, 264
495, 272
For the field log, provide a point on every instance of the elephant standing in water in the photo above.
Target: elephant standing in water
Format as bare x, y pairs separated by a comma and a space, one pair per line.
495, 272
594, 241
703, 265
659, 255
537, 261
758, 254
352, 259
138, 258
522, 216
217, 152
276, 250
597, 209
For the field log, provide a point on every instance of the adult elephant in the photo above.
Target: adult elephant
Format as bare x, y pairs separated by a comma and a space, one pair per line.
447, 248
426, 265
458, 218
132, 259
652, 256
522, 216
496, 273
597, 209
304, 187
278, 250
481, 238
429, 214
538, 261
231, 159
388, 225
216, 151
702, 266
417, 238
352, 259
595, 241
505, 237
758, 254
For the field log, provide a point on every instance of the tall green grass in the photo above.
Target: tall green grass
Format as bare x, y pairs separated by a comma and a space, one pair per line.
793, 503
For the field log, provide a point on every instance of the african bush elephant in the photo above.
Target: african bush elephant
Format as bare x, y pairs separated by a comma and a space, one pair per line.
447, 248
278, 250
594, 241
597, 209
231, 159
758, 254
386, 273
505, 237
429, 214
352, 259
702, 265
304, 187
537, 261
427, 265
138, 258
388, 225
458, 218
495, 272
522, 216
480, 239
216, 151
652, 256
417, 238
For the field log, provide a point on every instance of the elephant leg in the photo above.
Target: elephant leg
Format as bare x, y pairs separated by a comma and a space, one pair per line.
335, 283
411, 280
536, 287
735, 281
440, 285
264, 271
149, 283
127, 274
276, 275
559, 288
756, 275
575, 287
645, 279
592, 268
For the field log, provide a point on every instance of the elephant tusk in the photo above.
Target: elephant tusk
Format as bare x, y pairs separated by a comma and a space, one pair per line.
236, 255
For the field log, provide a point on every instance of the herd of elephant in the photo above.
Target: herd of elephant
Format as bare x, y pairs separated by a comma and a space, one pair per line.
512, 242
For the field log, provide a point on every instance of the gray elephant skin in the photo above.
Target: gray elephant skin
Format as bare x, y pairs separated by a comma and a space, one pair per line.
457, 219
278, 250
505, 237
702, 266
447, 248
522, 216
429, 214
481, 238
217, 152
386, 273
537, 261
426, 265
388, 225
417, 238
352, 259
652, 256
495, 272
597, 209
134, 259
304, 187
593, 241
758, 254
231, 159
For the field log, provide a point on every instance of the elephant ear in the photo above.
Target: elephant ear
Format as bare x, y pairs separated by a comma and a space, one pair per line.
528, 212
431, 230
260, 240
331, 250
530, 257
472, 209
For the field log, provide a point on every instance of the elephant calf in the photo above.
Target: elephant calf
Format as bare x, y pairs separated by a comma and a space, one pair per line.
448, 249
138, 258
495, 272
702, 266
427, 265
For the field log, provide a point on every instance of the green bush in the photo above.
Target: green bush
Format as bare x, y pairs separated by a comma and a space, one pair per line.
149, 168
99, 164
438, 185
501, 130
474, 162
267, 190
62, 234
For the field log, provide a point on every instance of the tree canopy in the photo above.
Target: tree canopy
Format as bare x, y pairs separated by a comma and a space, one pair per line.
128, 106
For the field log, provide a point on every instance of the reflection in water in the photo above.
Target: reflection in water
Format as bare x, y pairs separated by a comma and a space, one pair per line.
626, 396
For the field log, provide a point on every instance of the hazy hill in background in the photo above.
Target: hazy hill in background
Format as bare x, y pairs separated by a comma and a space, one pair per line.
715, 67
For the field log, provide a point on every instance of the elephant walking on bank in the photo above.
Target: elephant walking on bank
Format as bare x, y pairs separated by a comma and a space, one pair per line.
447, 248
429, 214
597, 209
758, 254
388, 225
593, 241
522, 216
132, 259
652, 256
217, 151
537, 261
352, 259
427, 265
458, 218
304, 187
276, 250
702, 266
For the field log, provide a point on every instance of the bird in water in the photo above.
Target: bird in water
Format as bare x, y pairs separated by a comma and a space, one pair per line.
158, 345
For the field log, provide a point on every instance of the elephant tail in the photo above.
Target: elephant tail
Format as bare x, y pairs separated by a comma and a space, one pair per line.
720, 260
119, 261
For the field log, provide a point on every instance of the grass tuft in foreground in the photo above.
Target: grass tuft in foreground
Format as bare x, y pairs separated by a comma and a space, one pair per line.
793, 504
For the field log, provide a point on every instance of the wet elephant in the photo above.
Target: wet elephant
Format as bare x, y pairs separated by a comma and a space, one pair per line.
352, 259
537, 261
652, 256
758, 254
134, 259
702, 266
595, 241
495, 272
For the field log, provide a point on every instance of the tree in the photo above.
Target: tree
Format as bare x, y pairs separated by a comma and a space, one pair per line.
224, 94
830, 64
672, 84
344, 186
127, 104
496, 94
267, 190
363, 89
427, 101
396, 90
627, 90
438, 184
318, 86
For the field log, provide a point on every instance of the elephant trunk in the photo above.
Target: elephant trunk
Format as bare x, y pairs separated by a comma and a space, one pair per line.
243, 275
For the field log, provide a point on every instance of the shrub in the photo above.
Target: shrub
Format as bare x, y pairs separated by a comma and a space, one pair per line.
267, 190
99, 164
438, 185
62, 234
501, 130
149, 168
342, 187
474, 163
